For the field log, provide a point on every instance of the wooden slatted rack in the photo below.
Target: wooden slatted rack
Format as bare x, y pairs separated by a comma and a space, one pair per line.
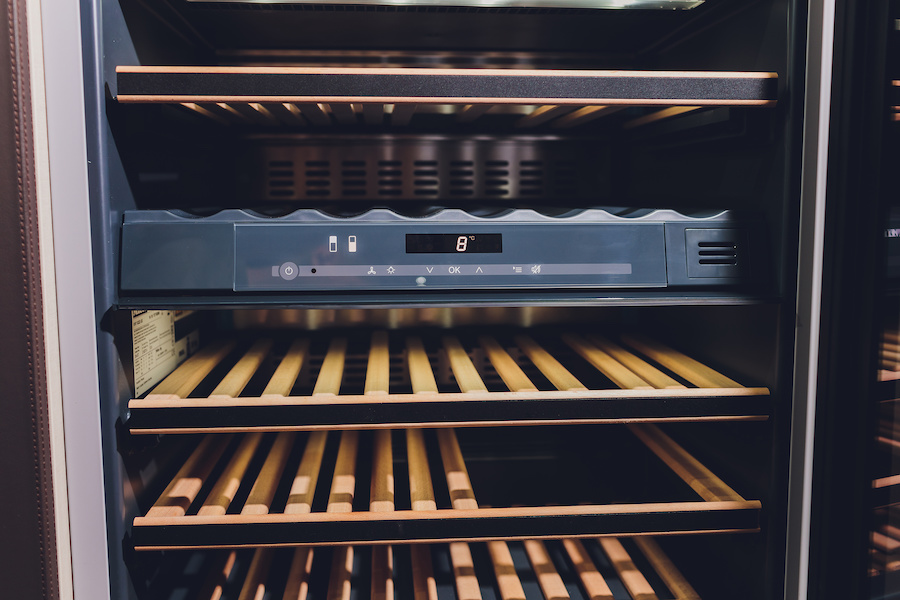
323, 96
204, 506
434, 379
595, 570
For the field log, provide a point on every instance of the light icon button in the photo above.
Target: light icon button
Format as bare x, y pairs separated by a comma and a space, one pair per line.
332, 243
351, 243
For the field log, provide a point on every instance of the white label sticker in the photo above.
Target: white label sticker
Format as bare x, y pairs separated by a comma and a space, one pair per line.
155, 351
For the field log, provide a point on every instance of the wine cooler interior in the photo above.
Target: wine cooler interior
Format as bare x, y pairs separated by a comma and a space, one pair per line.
446, 300
288, 438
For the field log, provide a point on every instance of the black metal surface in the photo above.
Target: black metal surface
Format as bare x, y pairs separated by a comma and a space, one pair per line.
572, 298
846, 411
387, 530
259, 86
498, 412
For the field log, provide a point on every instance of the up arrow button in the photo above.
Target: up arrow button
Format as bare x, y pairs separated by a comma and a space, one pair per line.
478, 270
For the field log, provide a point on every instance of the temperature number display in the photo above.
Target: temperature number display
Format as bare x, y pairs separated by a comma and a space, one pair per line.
454, 243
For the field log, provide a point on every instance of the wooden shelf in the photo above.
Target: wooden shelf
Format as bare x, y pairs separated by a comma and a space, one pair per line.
429, 378
580, 570
247, 491
323, 96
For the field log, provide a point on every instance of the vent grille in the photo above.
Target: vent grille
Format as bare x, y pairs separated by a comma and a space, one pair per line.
427, 173
280, 181
717, 252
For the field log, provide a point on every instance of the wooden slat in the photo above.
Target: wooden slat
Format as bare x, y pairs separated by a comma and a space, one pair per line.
672, 510
591, 579
680, 364
402, 114
618, 373
689, 469
241, 373
424, 583
421, 496
202, 110
184, 487
584, 115
542, 114
303, 487
642, 368
288, 369
254, 587
658, 115
511, 374
378, 372
343, 482
462, 497
344, 113
213, 587
470, 112
461, 494
229, 481
549, 366
464, 371
890, 346
467, 587
170, 402
631, 577
264, 110
667, 571
182, 381
288, 114
295, 110
421, 490
259, 501
420, 374
225, 111
381, 497
382, 587
341, 573
314, 113
373, 113
255, 113
884, 542
332, 371
297, 587
505, 572
548, 578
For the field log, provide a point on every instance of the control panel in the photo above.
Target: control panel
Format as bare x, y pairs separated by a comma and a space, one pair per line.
380, 250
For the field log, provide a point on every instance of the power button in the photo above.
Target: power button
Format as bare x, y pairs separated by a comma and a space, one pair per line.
288, 271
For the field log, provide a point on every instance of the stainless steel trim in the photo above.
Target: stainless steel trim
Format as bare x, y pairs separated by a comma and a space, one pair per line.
74, 283
819, 52
49, 301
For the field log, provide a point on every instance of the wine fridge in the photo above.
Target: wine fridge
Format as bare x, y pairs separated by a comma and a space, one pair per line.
440, 299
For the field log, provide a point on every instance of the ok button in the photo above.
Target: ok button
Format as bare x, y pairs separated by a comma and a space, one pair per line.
453, 270
288, 271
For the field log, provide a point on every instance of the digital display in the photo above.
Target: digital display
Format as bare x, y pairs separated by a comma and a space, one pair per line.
454, 243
